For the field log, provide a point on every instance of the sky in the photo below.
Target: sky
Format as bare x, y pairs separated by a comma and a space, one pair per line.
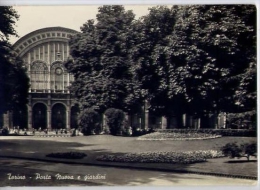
73, 17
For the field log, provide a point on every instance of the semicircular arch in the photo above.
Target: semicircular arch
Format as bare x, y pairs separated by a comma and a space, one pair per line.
39, 102
39, 65
59, 103
40, 36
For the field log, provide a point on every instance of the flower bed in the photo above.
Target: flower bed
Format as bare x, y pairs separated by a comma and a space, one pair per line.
187, 157
67, 155
178, 136
222, 132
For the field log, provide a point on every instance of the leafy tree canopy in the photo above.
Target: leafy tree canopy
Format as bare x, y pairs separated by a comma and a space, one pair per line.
202, 62
184, 59
101, 60
14, 82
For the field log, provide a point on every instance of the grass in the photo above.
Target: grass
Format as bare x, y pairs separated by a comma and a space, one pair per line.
114, 144
97, 145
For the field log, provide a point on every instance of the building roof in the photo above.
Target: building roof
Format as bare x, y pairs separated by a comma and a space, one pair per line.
42, 35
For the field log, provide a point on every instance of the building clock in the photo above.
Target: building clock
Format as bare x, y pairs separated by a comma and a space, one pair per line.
58, 71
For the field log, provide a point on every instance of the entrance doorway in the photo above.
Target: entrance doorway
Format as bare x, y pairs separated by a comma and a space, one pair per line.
39, 116
58, 117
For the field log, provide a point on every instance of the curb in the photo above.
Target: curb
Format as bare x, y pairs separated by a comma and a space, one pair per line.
135, 167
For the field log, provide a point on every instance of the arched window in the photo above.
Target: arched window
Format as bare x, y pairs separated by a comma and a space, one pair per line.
59, 76
39, 75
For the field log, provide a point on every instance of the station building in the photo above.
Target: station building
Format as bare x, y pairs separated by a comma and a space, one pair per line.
50, 104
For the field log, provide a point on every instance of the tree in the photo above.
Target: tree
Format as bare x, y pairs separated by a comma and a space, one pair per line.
14, 82
233, 150
101, 61
90, 122
151, 31
115, 120
200, 63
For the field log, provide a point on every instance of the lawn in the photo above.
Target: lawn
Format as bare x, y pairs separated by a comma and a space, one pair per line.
97, 145
114, 144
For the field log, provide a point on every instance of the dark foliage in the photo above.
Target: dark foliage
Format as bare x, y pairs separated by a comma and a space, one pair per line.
14, 82
101, 61
115, 120
5, 132
67, 155
192, 59
139, 132
233, 150
90, 122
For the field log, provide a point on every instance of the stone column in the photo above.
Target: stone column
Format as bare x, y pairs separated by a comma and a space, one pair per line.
164, 122
63, 82
198, 123
54, 52
68, 118
184, 120
224, 120
63, 57
49, 118
29, 69
219, 120
6, 120
29, 118
146, 119
68, 82
49, 68
146, 115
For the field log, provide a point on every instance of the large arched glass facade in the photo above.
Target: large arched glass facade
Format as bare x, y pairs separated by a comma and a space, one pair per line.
39, 75
55, 78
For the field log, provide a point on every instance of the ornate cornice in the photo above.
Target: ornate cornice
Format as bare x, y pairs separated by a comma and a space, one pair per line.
40, 36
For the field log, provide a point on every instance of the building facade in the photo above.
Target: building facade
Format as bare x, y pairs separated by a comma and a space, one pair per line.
50, 103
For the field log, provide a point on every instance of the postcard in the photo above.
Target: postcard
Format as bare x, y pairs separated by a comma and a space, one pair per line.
128, 95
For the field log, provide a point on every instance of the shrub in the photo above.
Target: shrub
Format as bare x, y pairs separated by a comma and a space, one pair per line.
67, 155
127, 131
242, 120
115, 120
233, 150
5, 131
139, 132
90, 122
250, 150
